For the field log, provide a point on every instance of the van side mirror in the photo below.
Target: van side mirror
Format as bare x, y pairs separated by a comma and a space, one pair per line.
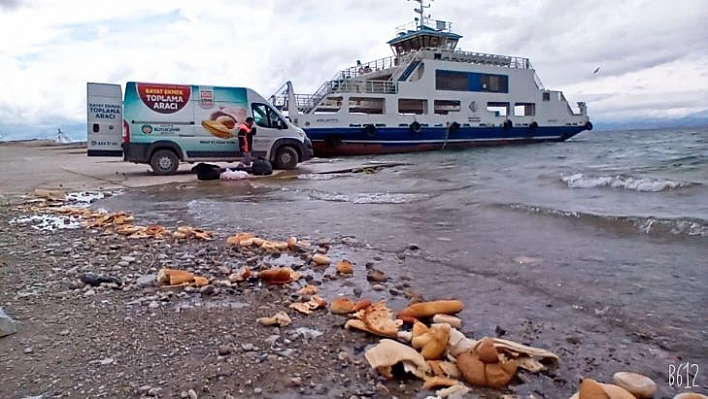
282, 125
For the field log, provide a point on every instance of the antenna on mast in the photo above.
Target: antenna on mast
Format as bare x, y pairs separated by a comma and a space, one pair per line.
420, 11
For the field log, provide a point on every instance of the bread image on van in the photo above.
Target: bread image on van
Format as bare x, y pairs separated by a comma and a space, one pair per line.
164, 124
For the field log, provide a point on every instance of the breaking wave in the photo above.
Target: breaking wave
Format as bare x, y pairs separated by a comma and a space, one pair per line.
369, 198
693, 227
578, 180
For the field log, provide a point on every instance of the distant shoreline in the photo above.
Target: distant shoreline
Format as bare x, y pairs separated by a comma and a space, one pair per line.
42, 142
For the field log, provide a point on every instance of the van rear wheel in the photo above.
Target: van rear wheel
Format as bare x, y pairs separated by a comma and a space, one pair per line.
286, 158
164, 162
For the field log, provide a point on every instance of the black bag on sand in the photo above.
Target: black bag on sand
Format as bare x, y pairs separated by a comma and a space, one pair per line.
261, 167
206, 171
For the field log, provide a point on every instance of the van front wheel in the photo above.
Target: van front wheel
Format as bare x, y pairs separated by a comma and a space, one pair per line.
286, 158
164, 162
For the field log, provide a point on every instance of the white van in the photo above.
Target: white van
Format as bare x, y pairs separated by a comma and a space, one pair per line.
163, 124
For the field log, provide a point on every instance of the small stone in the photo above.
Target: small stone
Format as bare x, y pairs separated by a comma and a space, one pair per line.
413, 247
89, 293
207, 290
377, 276
382, 390
154, 305
144, 389
155, 391
224, 350
296, 381
357, 291
127, 258
7, 325
248, 347
378, 287
146, 280
638, 385
28, 350
257, 391
192, 394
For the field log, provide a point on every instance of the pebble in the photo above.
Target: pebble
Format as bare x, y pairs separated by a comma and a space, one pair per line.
155, 391
192, 394
378, 287
638, 385
146, 280
207, 290
7, 325
89, 293
257, 391
144, 389
224, 350
28, 350
154, 305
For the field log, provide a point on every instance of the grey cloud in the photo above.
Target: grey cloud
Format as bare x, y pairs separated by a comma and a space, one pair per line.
9, 4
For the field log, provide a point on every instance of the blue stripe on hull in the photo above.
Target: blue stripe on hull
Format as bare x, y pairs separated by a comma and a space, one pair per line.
355, 141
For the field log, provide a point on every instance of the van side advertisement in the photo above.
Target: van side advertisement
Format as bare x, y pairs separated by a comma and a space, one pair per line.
207, 117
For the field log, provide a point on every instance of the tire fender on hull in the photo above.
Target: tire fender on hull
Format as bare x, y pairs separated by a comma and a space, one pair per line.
415, 127
454, 127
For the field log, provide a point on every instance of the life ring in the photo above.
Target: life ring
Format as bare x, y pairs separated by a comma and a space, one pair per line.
415, 127
533, 126
454, 127
508, 124
588, 126
370, 131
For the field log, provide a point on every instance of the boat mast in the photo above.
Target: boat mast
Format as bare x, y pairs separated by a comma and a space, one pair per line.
420, 11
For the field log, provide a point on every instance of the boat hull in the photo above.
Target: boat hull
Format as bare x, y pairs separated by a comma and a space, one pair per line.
355, 141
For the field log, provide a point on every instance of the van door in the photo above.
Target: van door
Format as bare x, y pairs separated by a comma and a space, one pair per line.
104, 105
268, 128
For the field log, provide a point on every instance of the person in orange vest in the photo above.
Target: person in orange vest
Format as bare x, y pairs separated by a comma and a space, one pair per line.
245, 139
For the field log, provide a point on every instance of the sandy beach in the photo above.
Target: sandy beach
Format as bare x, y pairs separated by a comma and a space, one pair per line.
131, 336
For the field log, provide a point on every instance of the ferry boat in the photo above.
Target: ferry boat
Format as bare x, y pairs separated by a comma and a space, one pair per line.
431, 96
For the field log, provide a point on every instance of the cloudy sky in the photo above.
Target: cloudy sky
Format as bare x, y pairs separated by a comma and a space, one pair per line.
652, 54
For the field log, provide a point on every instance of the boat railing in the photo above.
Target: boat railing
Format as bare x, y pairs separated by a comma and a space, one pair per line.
478, 58
436, 24
364, 86
367, 67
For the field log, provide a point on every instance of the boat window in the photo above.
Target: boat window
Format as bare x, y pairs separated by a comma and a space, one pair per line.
471, 81
412, 106
498, 108
546, 96
495, 83
366, 105
330, 105
524, 109
418, 73
451, 80
265, 116
444, 107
